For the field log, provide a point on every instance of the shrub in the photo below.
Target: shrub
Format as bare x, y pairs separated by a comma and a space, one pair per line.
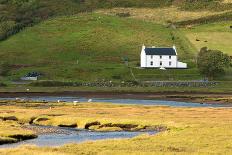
212, 63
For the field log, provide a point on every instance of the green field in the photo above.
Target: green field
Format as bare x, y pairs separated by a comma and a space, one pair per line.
92, 47
86, 47
67, 45
214, 36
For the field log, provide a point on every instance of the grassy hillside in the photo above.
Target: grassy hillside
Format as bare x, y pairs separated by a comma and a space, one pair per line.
84, 47
162, 15
16, 15
215, 36
94, 47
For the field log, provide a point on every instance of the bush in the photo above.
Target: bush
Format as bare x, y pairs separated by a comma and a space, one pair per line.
212, 63
4, 69
2, 84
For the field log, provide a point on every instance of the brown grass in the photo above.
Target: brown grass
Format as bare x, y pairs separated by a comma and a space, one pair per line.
160, 15
192, 130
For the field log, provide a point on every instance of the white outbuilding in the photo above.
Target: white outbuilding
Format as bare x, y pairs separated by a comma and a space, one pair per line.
160, 57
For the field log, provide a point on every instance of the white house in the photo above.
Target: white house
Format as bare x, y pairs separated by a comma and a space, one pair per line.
159, 57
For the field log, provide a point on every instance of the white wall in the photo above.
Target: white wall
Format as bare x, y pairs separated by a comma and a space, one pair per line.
143, 58
181, 65
165, 61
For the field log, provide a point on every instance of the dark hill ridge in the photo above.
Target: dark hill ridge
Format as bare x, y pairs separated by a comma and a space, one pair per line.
15, 15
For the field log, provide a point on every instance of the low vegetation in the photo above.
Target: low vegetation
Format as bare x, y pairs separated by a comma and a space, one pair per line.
11, 132
189, 128
71, 48
219, 38
165, 15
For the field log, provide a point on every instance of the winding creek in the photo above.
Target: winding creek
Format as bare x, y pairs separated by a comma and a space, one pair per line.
121, 101
61, 136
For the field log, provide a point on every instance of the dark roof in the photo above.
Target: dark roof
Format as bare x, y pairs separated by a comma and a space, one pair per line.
160, 51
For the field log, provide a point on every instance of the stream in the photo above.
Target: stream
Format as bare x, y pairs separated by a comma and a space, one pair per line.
63, 136
72, 135
121, 101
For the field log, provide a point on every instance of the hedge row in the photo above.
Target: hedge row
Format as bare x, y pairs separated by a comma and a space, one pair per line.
205, 20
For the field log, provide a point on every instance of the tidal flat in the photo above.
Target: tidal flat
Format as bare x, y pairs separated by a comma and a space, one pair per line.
186, 130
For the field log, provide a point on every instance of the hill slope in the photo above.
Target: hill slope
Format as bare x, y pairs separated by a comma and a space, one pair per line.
84, 47
94, 47
15, 15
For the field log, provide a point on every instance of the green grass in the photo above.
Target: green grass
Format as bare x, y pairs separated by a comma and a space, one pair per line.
217, 35
98, 42
92, 46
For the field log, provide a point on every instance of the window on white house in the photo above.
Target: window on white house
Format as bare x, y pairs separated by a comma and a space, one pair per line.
151, 63
170, 57
170, 63
151, 56
161, 57
161, 63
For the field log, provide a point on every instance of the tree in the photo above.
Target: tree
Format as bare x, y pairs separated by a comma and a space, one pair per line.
212, 63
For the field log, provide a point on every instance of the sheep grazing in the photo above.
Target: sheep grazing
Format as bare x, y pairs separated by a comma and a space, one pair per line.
90, 100
75, 103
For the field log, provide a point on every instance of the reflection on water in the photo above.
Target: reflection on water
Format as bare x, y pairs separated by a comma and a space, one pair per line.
69, 135
122, 101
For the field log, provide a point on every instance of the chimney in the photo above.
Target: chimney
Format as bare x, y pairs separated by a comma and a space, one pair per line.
174, 47
143, 47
